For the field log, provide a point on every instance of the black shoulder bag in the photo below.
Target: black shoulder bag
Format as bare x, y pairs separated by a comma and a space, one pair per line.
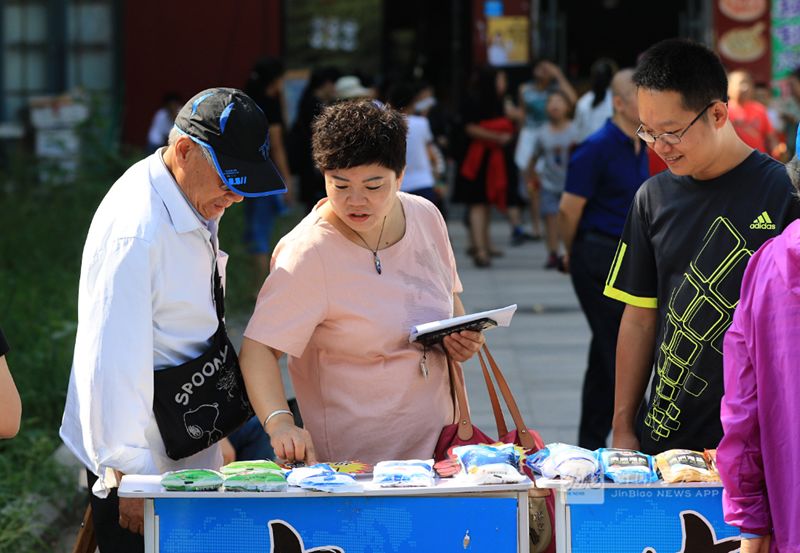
198, 403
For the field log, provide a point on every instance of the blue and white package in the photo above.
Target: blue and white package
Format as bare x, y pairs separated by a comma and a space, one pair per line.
488, 464
567, 462
625, 466
323, 478
413, 473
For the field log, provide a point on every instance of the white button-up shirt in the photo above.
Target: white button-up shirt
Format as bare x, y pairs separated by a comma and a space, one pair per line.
145, 303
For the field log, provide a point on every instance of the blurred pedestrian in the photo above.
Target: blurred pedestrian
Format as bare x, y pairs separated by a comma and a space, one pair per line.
596, 106
790, 111
532, 114
419, 177
320, 91
749, 118
10, 404
151, 310
265, 87
686, 241
162, 121
759, 412
548, 165
604, 173
487, 175
349, 87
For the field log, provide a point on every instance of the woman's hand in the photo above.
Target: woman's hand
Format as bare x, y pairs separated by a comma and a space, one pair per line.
461, 346
289, 441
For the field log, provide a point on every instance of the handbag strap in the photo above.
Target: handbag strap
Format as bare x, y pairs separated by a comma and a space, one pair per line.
465, 428
525, 438
499, 420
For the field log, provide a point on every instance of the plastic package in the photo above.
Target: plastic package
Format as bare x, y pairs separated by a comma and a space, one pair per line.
626, 466
241, 466
684, 465
191, 480
567, 462
256, 480
323, 478
487, 464
711, 460
414, 473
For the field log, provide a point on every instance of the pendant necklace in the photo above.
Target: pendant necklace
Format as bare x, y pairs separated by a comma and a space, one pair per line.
374, 252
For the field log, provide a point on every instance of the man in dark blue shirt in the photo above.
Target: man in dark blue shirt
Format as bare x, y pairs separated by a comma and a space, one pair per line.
602, 178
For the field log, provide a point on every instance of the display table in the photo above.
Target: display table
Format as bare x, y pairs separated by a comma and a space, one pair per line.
447, 517
640, 518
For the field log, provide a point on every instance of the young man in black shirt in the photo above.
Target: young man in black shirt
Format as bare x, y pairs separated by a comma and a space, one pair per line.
686, 242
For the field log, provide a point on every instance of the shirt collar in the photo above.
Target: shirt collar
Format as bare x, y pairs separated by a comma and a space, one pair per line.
185, 218
617, 133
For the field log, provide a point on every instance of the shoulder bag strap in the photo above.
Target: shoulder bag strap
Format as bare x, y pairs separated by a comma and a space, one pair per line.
526, 440
499, 419
465, 429
219, 294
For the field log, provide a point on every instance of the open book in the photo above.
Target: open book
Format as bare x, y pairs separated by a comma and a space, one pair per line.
432, 333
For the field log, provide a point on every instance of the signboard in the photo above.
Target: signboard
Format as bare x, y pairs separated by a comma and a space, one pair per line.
345, 34
785, 41
338, 524
507, 40
666, 519
742, 36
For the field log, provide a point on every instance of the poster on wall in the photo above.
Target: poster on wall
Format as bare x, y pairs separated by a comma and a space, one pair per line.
742, 36
507, 40
785, 41
345, 34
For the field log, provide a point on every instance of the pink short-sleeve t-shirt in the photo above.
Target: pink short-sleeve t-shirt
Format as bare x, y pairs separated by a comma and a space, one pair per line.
345, 328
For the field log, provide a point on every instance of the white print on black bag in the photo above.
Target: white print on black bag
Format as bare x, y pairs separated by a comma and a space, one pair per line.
202, 421
229, 383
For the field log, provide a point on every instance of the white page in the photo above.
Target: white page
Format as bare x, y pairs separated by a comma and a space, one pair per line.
501, 316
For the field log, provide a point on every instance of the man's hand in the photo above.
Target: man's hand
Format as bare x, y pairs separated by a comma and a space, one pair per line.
755, 545
624, 439
461, 346
131, 514
290, 442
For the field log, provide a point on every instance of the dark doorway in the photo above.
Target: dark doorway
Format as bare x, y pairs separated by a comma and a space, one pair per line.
428, 40
618, 29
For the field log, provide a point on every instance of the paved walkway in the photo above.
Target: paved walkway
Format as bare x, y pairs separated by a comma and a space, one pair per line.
543, 352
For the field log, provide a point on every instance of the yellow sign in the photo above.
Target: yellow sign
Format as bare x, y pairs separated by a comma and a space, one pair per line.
508, 40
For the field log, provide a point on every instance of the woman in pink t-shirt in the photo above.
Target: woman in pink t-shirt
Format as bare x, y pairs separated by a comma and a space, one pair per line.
345, 287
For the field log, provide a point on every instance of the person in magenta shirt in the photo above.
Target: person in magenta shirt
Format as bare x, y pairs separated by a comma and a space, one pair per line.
345, 287
759, 454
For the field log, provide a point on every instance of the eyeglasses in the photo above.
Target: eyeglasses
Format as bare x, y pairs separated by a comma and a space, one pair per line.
670, 138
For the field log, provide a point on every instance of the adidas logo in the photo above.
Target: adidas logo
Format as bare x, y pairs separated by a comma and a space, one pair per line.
763, 222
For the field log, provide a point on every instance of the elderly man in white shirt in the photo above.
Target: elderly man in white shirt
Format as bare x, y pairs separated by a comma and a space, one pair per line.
150, 309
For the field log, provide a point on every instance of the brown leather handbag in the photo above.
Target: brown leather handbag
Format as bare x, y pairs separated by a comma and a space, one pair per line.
541, 503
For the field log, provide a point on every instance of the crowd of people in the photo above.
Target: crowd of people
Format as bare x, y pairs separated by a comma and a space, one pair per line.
658, 260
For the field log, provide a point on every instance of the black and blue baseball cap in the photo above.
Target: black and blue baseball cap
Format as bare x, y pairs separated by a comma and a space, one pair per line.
234, 130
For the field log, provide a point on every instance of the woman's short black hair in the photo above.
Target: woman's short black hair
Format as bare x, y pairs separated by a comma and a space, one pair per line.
685, 67
362, 132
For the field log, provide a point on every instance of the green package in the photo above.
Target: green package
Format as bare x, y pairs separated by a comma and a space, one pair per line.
256, 480
191, 480
241, 466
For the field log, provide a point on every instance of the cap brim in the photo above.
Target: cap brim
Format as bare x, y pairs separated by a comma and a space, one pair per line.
252, 179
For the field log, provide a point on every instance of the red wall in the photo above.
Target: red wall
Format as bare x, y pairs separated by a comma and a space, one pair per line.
186, 46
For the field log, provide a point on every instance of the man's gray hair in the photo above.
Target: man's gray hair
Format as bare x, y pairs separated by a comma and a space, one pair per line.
175, 134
